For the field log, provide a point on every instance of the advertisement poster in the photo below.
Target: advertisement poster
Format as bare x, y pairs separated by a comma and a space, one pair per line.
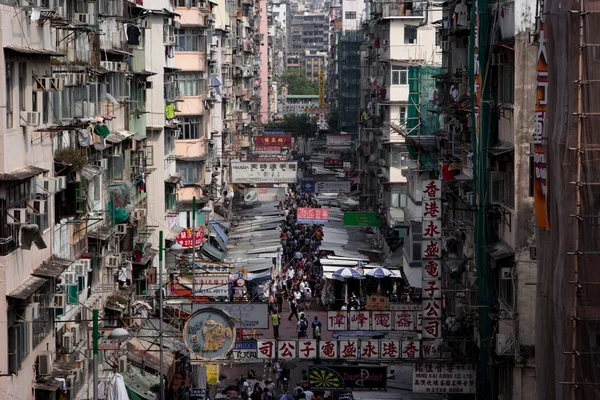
212, 286
444, 378
350, 378
339, 140
253, 195
315, 216
264, 172
331, 163
185, 237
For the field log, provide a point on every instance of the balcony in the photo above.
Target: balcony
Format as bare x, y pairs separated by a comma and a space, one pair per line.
392, 9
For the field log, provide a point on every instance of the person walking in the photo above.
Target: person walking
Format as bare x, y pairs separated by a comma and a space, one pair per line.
293, 309
279, 300
276, 321
316, 324
302, 327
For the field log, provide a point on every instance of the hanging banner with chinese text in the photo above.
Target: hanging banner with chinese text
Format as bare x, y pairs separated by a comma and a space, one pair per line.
315, 216
186, 239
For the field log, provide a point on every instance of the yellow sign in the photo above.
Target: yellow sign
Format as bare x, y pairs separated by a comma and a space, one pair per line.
322, 88
212, 374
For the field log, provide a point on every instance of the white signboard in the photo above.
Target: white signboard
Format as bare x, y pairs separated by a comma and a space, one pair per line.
212, 285
252, 195
444, 378
264, 172
245, 352
245, 315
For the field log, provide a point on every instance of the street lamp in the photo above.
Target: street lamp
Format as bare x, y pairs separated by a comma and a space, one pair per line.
119, 334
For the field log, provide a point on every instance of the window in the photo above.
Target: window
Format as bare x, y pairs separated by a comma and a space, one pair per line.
18, 345
399, 160
22, 86
191, 84
46, 106
190, 40
506, 86
191, 128
410, 35
502, 184
350, 15
399, 76
97, 188
402, 115
9, 95
41, 219
191, 172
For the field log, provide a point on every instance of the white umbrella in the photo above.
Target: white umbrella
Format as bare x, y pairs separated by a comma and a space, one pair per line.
380, 272
347, 273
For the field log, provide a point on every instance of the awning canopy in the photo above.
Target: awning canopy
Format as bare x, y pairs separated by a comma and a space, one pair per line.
103, 233
259, 276
499, 250
173, 179
221, 235
21, 174
118, 137
29, 52
90, 171
52, 268
27, 288
212, 251
501, 148
146, 353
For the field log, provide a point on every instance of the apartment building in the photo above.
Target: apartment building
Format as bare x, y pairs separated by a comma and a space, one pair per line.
314, 61
309, 30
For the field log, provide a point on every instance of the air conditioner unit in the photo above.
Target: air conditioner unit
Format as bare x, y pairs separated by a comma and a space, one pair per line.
139, 213
121, 66
83, 18
68, 342
171, 39
102, 163
40, 83
44, 363
123, 364
87, 263
503, 344
57, 84
70, 381
121, 229
76, 333
29, 118
176, 132
61, 183
43, 185
37, 207
58, 301
506, 273
80, 269
81, 78
16, 216
108, 65
69, 279
32, 312
113, 261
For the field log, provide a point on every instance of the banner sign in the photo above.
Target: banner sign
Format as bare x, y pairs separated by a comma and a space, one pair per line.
381, 320
540, 135
444, 378
349, 350
357, 218
325, 186
186, 239
245, 315
339, 140
203, 267
264, 172
315, 216
377, 303
350, 378
253, 195
331, 163
267, 149
104, 340
211, 285
274, 132
245, 352
285, 141
322, 88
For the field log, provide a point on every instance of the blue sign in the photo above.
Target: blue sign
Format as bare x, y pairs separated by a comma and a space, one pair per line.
308, 186
325, 186
245, 346
275, 132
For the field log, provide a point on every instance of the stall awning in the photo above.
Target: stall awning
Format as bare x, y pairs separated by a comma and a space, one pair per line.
27, 288
52, 268
212, 251
146, 353
414, 276
499, 250
259, 276
220, 232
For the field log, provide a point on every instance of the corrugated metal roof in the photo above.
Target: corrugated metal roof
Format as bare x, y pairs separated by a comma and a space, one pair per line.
52, 268
22, 173
27, 288
33, 52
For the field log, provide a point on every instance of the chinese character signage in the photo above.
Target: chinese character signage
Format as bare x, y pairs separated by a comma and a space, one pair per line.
432, 208
432, 189
431, 248
540, 131
328, 349
266, 348
377, 303
369, 349
389, 349
347, 378
332, 163
286, 349
444, 378
313, 216
211, 285
186, 239
349, 349
404, 320
273, 141
359, 320
382, 320
264, 172
337, 320
307, 349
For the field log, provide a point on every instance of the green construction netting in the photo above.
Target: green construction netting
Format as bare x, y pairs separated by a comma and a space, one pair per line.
420, 120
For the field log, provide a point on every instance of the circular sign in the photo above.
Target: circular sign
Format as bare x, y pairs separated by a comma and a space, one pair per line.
209, 334
240, 282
